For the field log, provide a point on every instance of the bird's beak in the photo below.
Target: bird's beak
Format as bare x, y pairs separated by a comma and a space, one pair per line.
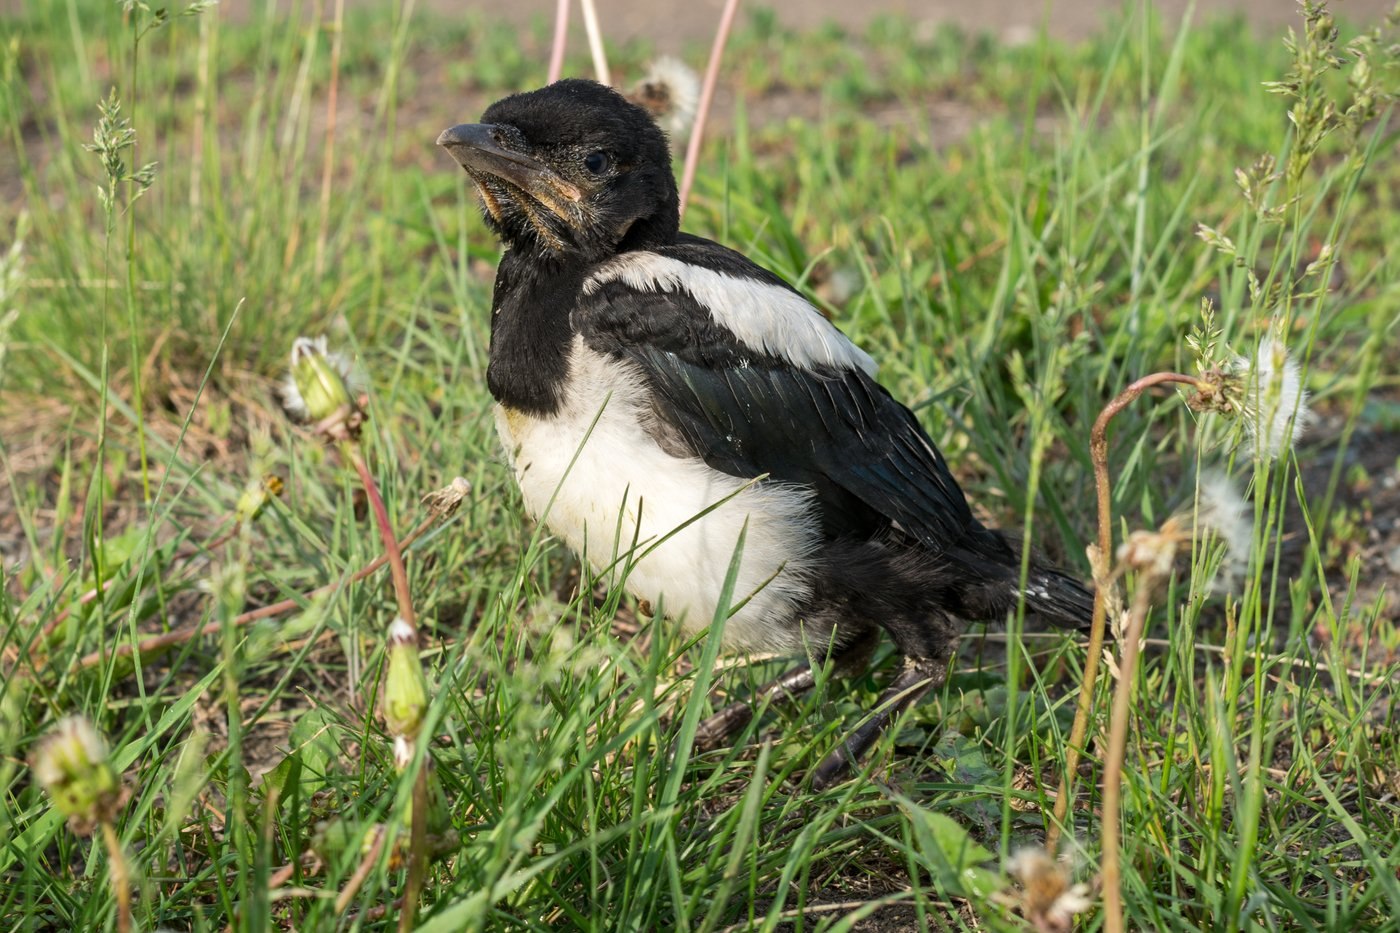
475, 147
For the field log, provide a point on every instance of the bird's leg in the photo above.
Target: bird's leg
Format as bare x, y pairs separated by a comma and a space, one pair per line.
854, 654
916, 677
716, 729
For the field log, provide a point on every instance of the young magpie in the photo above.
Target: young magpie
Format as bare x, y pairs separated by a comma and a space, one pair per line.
644, 376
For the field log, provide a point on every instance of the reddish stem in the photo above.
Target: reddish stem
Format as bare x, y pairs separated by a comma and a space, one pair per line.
561, 33
386, 533
1098, 453
707, 93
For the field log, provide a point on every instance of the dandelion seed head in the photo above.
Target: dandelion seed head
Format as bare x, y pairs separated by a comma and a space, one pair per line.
1274, 403
1049, 898
670, 91
1223, 512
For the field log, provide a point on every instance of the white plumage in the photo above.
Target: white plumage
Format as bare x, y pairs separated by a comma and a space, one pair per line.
655, 494
766, 318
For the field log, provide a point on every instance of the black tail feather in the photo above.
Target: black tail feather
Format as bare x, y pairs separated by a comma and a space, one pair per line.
1059, 599
990, 588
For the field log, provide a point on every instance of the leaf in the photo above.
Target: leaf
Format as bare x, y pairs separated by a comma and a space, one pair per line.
950, 853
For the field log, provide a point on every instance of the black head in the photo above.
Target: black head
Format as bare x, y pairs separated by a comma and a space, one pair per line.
572, 170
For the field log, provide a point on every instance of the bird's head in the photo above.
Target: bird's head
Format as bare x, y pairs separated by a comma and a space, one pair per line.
572, 171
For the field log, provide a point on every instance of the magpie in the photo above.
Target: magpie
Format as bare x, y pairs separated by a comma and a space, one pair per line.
659, 395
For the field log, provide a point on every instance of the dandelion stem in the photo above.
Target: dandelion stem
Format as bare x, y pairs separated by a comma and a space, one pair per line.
417, 844
595, 41
707, 93
120, 877
386, 532
1098, 453
1111, 866
561, 34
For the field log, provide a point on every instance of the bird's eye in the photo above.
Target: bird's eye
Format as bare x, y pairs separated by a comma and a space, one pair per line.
597, 162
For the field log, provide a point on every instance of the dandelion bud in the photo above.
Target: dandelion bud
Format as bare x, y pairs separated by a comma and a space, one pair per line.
405, 688
71, 764
256, 495
317, 389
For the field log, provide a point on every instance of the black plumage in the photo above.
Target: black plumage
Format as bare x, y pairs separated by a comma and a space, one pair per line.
644, 376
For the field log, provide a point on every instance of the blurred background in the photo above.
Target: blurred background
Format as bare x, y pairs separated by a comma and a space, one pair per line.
671, 24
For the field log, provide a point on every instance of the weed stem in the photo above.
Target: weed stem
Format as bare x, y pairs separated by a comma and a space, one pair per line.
386, 532
1099, 557
120, 877
707, 93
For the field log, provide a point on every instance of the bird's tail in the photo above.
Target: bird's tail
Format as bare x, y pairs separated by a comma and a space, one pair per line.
992, 586
1059, 599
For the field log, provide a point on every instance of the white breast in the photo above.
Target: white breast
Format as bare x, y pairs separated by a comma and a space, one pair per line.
623, 500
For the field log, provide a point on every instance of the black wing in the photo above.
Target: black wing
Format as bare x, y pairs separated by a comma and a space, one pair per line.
747, 413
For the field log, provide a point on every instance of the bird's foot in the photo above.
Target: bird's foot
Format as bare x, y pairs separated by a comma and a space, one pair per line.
713, 732
915, 678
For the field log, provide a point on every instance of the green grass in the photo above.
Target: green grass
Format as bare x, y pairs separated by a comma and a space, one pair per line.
1010, 230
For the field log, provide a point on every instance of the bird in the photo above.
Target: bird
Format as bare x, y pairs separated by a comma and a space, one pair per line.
661, 397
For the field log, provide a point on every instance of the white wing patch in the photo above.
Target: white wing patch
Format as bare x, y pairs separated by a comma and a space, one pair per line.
764, 317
